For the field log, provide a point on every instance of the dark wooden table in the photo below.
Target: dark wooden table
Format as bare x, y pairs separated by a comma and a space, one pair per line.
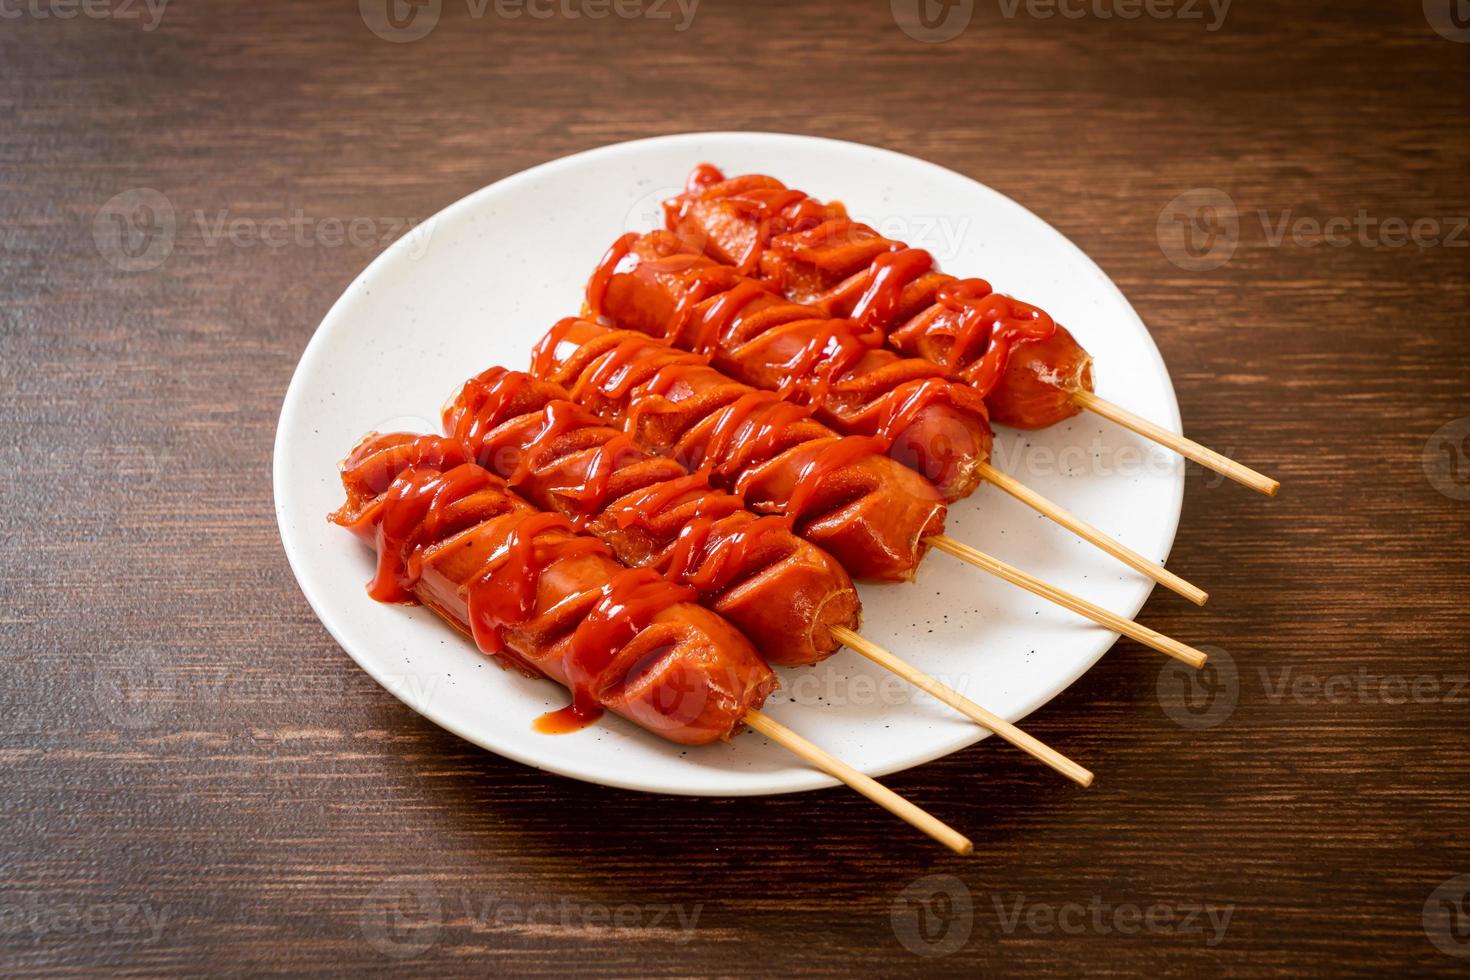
196, 778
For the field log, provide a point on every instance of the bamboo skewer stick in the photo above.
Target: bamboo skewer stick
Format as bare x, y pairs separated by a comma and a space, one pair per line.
866, 785
1187, 448
1092, 611
1026, 743
1087, 532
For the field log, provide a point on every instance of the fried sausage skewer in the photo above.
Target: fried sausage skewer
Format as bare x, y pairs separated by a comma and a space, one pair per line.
550, 601
1030, 369
925, 420
791, 598
533, 592
841, 493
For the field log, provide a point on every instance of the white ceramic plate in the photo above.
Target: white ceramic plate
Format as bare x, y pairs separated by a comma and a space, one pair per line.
478, 283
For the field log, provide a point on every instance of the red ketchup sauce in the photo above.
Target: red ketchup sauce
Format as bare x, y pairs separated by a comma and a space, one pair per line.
887, 278
842, 453
708, 562
597, 285
745, 429
989, 324
414, 514
833, 349
628, 604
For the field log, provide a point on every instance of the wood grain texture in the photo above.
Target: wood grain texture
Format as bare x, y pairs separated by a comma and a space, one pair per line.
195, 778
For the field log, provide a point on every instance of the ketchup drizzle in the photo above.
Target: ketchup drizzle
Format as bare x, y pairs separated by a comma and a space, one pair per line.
502, 595
411, 515
479, 413
733, 440
989, 325
628, 605
721, 313
889, 275
900, 413
543, 355
702, 566
597, 285
842, 453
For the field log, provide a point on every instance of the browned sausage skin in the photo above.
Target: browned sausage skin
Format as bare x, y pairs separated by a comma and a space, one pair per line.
783, 592
813, 253
844, 496
654, 284
553, 602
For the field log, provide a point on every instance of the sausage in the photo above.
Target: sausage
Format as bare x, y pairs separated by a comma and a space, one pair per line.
783, 592
1011, 352
553, 602
654, 284
841, 493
